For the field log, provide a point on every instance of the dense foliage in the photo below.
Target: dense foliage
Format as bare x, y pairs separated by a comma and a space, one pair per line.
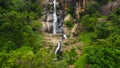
20, 46
21, 41
101, 36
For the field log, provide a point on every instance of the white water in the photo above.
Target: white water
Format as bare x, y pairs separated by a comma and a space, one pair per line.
58, 47
55, 18
65, 36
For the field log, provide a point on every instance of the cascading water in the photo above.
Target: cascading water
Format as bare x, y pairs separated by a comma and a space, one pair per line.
64, 35
56, 29
57, 50
58, 47
55, 18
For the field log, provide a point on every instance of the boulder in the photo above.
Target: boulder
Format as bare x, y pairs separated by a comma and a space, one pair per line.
68, 18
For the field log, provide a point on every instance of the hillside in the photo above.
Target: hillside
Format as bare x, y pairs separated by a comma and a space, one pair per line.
59, 33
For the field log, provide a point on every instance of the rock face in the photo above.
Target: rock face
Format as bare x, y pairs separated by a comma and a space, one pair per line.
106, 9
62, 7
78, 5
48, 17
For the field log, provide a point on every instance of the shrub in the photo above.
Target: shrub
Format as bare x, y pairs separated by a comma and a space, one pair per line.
69, 23
92, 7
70, 11
81, 62
36, 24
89, 22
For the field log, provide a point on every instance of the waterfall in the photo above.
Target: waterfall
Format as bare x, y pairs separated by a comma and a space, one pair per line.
58, 28
55, 18
58, 47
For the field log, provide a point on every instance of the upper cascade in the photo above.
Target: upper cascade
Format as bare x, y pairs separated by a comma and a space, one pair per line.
55, 18
55, 12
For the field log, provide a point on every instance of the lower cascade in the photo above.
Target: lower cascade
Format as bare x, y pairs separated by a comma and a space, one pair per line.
58, 50
58, 47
